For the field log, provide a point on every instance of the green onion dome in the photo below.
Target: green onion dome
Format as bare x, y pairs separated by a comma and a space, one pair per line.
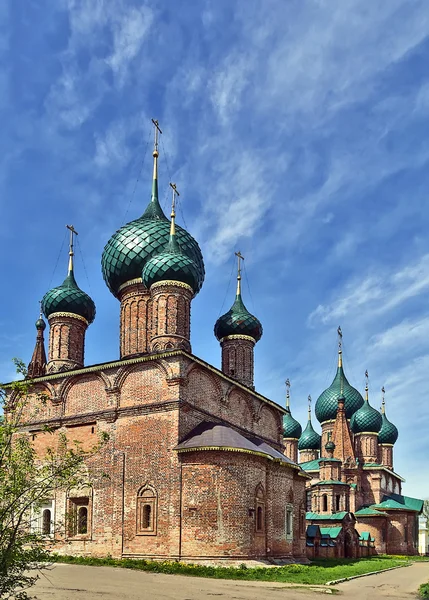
40, 324
171, 264
310, 439
330, 446
129, 249
238, 320
388, 433
327, 402
291, 427
68, 297
367, 419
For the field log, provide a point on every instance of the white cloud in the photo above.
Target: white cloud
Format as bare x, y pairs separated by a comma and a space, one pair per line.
375, 293
129, 32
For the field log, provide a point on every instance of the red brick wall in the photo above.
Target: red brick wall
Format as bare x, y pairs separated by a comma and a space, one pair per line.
171, 316
66, 342
134, 320
237, 359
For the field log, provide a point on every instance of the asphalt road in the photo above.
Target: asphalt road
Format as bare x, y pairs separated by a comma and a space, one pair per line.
73, 582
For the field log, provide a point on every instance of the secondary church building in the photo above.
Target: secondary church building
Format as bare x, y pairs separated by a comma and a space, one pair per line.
198, 465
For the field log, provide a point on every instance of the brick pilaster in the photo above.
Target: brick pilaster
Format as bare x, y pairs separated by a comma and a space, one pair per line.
386, 455
291, 448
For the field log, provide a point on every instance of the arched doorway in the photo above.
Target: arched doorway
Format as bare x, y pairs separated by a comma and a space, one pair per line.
349, 546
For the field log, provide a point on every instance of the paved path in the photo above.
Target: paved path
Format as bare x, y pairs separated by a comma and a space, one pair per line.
73, 582
400, 583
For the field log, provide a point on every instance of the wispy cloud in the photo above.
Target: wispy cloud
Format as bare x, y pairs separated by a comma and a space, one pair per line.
375, 293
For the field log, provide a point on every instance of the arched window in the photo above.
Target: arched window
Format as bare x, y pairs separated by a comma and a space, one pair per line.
337, 502
82, 519
260, 509
79, 510
147, 511
46, 521
325, 503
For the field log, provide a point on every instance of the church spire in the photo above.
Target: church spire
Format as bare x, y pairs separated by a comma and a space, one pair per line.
287, 394
154, 210
37, 366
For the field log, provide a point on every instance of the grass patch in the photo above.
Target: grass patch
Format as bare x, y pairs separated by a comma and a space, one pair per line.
317, 573
424, 591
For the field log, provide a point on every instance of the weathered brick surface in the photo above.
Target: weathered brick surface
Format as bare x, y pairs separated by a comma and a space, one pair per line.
147, 407
66, 342
237, 359
135, 320
171, 316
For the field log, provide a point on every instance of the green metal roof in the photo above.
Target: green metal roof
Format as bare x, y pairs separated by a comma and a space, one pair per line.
331, 482
333, 532
312, 516
388, 433
369, 512
128, 250
367, 419
291, 427
399, 502
68, 297
365, 536
310, 439
313, 465
238, 321
327, 402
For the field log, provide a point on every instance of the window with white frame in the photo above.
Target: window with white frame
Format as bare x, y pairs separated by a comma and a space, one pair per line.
289, 521
42, 518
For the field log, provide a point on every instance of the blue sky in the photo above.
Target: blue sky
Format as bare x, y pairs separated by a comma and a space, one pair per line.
296, 131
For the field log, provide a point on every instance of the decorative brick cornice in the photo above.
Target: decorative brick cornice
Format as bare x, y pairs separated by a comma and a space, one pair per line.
154, 357
168, 282
236, 336
135, 281
109, 415
69, 315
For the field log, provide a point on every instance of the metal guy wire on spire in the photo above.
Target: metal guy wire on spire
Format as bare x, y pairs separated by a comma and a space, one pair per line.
240, 257
71, 252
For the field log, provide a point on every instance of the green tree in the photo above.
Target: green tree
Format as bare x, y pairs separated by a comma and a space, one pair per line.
26, 480
425, 511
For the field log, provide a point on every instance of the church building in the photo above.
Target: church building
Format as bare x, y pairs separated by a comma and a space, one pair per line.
194, 466
354, 500
198, 465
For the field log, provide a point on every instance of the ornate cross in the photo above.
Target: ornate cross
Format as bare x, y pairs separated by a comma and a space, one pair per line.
240, 257
175, 193
71, 253
287, 382
157, 130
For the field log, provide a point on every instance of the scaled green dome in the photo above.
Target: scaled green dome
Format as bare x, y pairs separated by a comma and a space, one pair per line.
291, 427
68, 297
327, 402
238, 321
388, 433
171, 264
310, 439
128, 250
366, 419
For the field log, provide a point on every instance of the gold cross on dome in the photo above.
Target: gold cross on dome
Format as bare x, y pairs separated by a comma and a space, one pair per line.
175, 193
